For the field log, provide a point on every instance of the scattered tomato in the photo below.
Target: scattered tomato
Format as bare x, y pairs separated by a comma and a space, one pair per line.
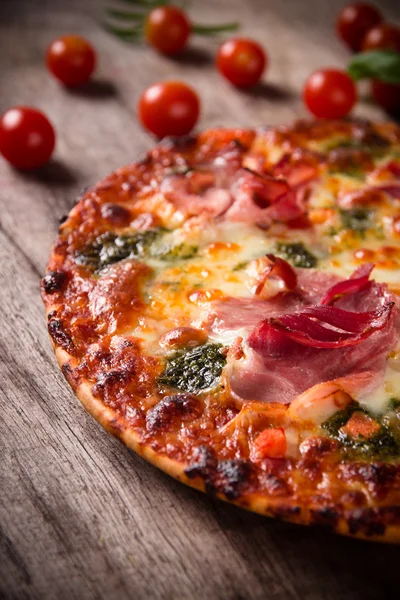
354, 21
169, 108
382, 37
241, 61
271, 443
71, 59
329, 94
167, 29
27, 137
387, 95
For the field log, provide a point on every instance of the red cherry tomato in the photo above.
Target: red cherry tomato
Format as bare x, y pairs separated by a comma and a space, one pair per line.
167, 29
329, 94
169, 108
71, 59
27, 137
387, 95
354, 21
382, 37
241, 61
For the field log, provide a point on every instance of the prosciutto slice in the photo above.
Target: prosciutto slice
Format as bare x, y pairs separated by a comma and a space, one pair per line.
224, 189
360, 329
196, 193
263, 199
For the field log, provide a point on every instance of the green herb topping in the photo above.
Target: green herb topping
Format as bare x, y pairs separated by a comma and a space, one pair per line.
394, 404
240, 265
297, 254
195, 369
357, 219
179, 252
109, 248
381, 445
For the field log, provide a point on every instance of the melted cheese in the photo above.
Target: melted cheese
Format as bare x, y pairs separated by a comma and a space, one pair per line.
179, 291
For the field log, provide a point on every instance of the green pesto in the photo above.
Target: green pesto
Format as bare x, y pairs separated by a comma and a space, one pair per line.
240, 265
394, 404
382, 445
195, 369
351, 170
297, 254
376, 145
110, 248
357, 219
171, 253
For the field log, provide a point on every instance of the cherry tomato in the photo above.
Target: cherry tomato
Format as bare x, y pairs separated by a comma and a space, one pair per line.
382, 37
169, 108
387, 95
241, 61
27, 137
354, 21
71, 59
167, 29
329, 94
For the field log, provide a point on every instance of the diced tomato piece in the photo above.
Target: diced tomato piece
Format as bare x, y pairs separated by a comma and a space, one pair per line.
271, 443
361, 425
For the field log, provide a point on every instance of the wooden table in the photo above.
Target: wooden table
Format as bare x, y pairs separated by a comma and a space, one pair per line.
80, 515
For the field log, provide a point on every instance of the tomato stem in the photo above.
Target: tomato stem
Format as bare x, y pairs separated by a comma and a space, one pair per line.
211, 29
138, 17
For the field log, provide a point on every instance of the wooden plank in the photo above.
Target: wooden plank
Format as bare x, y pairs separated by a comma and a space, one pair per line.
81, 516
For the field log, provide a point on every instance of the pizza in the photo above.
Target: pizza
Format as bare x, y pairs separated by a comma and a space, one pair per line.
228, 308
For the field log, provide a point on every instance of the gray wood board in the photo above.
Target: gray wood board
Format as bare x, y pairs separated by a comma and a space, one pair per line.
80, 515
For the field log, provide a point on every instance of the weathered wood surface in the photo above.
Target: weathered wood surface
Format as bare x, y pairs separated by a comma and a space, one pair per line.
80, 515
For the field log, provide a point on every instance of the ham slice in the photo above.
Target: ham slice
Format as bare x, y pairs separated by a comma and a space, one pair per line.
232, 314
299, 167
263, 199
224, 189
266, 375
196, 193
371, 195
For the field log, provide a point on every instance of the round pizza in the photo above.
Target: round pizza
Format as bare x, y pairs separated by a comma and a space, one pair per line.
228, 307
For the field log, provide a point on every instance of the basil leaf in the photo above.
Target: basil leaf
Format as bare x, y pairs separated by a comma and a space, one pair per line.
376, 64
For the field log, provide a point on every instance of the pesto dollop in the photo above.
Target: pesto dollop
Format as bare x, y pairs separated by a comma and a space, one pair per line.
193, 370
110, 248
357, 219
382, 445
297, 254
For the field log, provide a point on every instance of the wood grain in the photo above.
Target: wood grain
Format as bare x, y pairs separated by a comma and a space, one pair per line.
81, 517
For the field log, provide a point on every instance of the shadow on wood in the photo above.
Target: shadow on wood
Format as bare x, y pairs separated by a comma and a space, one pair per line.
193, 56
324, 556
54, 172
96, 89
268, 91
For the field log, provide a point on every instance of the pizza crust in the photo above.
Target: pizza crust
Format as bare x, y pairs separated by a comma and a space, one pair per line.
86, 213
113, 423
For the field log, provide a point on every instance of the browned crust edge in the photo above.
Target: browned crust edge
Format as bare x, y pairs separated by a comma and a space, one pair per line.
113, 424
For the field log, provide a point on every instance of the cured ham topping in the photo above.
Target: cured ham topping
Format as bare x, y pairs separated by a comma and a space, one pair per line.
390, 189
196, 193
272, 275
355, 283
369, 195
301, 343
314, 327
322, 326
299, 168
263, 199
390, 170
